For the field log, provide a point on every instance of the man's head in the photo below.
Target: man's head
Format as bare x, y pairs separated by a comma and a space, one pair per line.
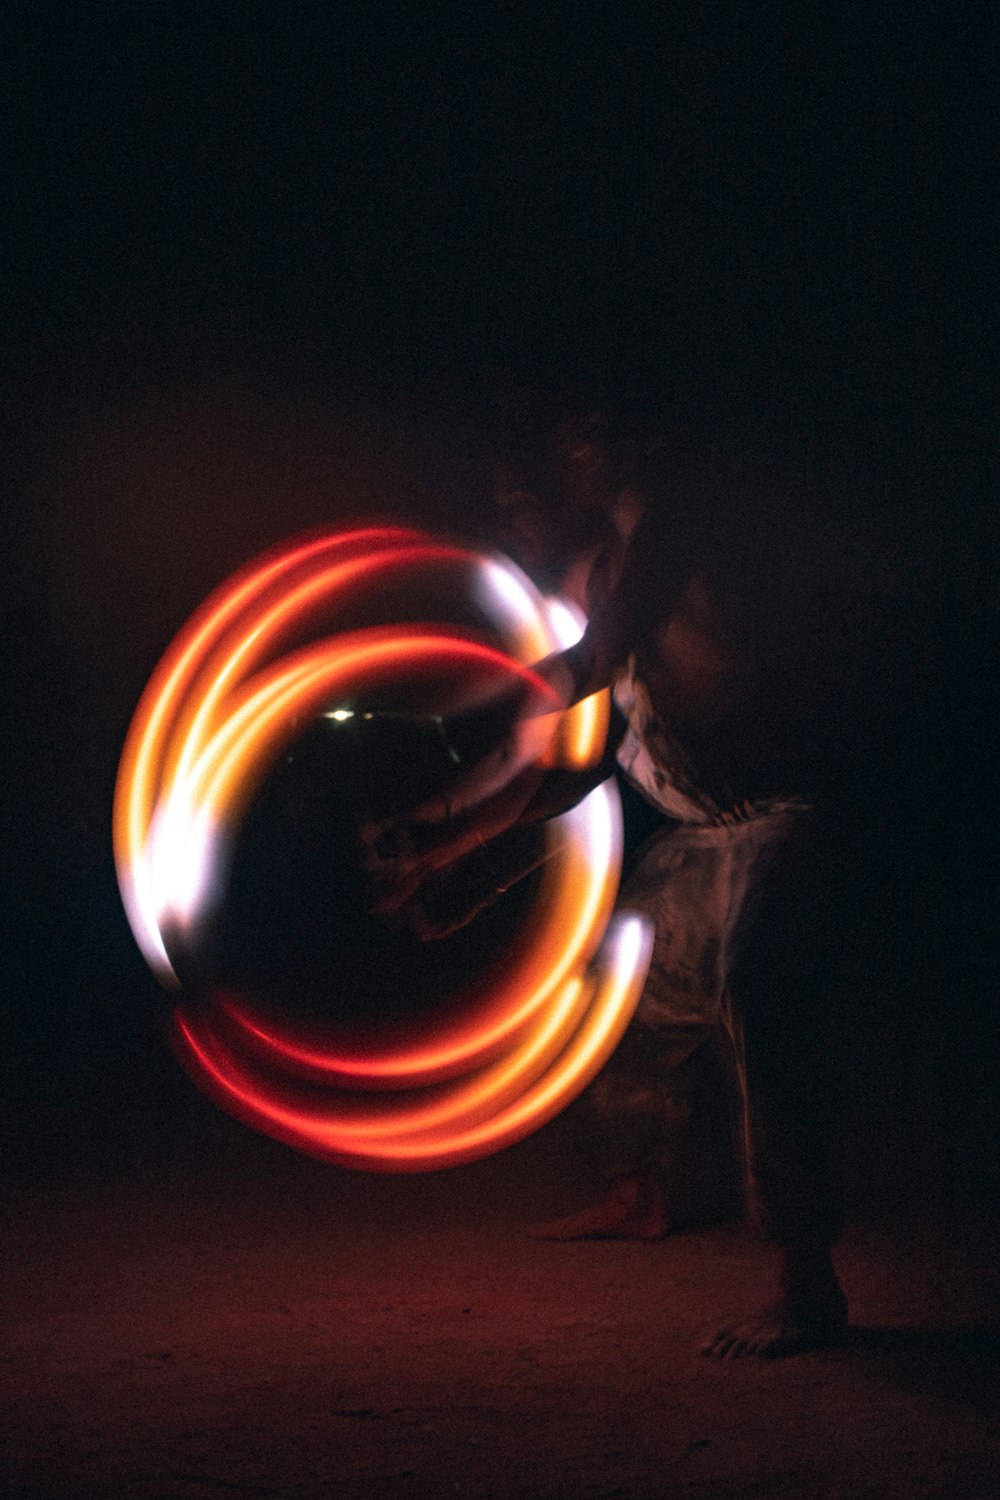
559, 487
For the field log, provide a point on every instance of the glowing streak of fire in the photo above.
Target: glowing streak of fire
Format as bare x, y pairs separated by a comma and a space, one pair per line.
218, 711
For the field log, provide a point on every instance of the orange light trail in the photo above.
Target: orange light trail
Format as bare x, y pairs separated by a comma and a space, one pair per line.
224, 703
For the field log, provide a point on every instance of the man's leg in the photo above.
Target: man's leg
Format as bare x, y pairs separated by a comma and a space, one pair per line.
637, 1112
640, 1106
779, 1021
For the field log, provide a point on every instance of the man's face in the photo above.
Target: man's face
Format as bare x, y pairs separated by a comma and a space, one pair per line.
557, 494
523, 527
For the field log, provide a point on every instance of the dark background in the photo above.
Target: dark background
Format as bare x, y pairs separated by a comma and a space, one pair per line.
272, 267
266, 267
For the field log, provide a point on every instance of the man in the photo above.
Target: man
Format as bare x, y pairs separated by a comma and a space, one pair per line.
732, 670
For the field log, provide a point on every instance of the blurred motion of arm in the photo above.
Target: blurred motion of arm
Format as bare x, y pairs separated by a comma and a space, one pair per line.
450, 872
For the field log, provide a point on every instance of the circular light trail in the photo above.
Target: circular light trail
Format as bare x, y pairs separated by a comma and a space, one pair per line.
225, 702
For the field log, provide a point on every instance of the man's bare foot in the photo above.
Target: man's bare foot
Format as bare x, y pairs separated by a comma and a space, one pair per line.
810, 1314
633, 1209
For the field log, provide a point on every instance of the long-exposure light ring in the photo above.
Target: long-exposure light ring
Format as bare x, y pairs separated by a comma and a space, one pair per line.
224, 701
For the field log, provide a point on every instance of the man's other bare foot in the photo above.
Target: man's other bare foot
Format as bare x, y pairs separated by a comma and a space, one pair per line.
633, 1209
810, 1314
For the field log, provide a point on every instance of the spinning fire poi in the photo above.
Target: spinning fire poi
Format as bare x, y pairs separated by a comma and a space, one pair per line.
294, 637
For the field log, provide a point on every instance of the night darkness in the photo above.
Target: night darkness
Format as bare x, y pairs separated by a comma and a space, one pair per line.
284, 265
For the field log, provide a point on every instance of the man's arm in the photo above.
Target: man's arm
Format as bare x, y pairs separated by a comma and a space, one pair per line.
404, 856
656, 568
444, 891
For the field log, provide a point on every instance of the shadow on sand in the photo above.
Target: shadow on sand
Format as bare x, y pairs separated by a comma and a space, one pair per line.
959, 1364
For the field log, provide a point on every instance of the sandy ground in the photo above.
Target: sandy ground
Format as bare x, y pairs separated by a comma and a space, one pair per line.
241, 1321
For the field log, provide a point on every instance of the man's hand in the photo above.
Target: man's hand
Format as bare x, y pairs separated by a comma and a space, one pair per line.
491, 776
401, 854
503, 788
500, 737
450, 899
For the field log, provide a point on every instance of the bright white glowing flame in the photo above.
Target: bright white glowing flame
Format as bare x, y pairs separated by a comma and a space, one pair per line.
509, 599
565, 619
